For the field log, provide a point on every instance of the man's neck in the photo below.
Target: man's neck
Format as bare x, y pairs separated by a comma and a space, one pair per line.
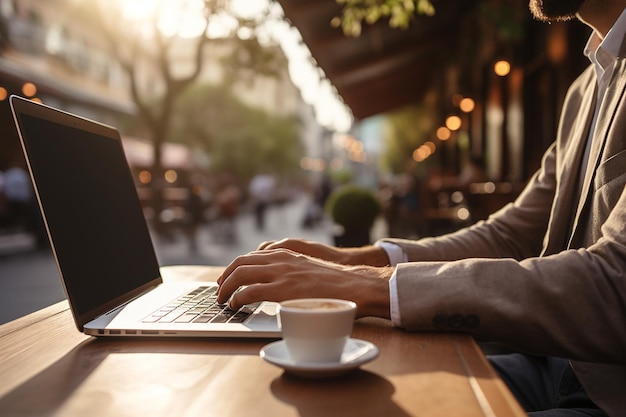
601, 15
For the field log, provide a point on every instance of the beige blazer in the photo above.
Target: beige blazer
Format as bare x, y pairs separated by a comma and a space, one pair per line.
547, 273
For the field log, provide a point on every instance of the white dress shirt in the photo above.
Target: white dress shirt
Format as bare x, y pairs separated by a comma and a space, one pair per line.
603, 54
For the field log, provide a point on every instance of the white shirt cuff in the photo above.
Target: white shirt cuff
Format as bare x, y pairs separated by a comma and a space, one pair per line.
395, 253
396, 256
394, 308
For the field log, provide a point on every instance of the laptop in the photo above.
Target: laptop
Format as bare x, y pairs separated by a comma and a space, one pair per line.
101, 242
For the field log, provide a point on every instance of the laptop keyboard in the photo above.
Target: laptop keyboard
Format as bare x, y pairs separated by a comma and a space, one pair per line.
199, 306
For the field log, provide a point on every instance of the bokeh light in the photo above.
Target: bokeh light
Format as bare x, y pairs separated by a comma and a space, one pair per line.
502, 68
29, 89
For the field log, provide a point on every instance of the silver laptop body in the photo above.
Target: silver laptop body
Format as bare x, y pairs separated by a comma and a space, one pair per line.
100, 238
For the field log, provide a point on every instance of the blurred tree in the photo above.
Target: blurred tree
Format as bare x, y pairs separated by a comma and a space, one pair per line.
239, 139
405, 130
175, 61
399, 13
503, 16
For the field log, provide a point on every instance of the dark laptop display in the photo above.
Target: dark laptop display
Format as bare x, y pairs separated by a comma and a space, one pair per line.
82, 176
101, 241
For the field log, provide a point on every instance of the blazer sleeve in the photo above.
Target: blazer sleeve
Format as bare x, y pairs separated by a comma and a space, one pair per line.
570, 304
511, 279
490, 281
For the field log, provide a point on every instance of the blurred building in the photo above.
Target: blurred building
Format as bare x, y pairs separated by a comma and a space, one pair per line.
47, 46
49, 51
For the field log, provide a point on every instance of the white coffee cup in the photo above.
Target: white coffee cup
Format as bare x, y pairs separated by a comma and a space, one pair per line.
316, 329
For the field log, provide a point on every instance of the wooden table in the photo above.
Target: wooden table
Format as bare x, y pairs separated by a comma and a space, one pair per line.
48, 368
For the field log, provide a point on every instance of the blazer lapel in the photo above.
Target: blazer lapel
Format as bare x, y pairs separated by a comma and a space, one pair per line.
569, 176
608, 111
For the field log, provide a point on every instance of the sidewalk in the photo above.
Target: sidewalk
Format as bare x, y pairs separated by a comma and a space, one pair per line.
29, 279
281, 222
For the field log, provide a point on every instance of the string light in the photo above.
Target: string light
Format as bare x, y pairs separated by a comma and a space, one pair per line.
502, 68
453, 123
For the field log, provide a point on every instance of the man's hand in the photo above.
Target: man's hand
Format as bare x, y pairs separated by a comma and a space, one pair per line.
366, 255
281, 274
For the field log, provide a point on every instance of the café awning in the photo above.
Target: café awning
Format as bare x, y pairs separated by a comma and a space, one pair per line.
384, 68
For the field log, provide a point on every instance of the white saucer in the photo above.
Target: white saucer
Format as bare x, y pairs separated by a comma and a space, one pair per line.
356, 353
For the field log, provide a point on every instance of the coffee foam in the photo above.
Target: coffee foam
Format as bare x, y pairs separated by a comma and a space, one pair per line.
317, 304
313, 306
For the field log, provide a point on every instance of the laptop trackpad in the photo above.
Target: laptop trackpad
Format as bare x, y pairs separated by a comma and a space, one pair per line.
264, 317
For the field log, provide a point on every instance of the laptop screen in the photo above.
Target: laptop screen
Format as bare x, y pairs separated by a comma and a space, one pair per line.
94, 217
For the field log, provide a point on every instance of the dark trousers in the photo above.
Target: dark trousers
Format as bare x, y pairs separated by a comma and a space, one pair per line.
259, 215
545, 386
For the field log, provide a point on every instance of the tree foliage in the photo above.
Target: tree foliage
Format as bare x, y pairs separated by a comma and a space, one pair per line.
172, 63
503, 18
166, 53
405, 130
399, 12
238, 138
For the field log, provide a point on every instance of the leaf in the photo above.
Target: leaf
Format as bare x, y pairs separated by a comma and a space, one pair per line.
399, 12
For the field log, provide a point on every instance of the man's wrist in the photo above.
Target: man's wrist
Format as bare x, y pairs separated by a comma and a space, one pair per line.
366, 255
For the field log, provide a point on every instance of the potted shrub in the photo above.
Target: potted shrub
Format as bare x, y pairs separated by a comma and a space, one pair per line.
354, 209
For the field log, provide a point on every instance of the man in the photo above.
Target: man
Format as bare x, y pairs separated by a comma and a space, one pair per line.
546, 275
262, 193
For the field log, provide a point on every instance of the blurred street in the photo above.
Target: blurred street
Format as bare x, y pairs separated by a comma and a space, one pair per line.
29, 280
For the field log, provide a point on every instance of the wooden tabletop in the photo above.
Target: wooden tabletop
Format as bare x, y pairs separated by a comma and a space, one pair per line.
48, 368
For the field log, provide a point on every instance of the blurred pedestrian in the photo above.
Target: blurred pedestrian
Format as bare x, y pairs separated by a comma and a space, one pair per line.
262, 188
227, 202
4, 206
195, 207
19, 194
403, 207
23, 211
314, 211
